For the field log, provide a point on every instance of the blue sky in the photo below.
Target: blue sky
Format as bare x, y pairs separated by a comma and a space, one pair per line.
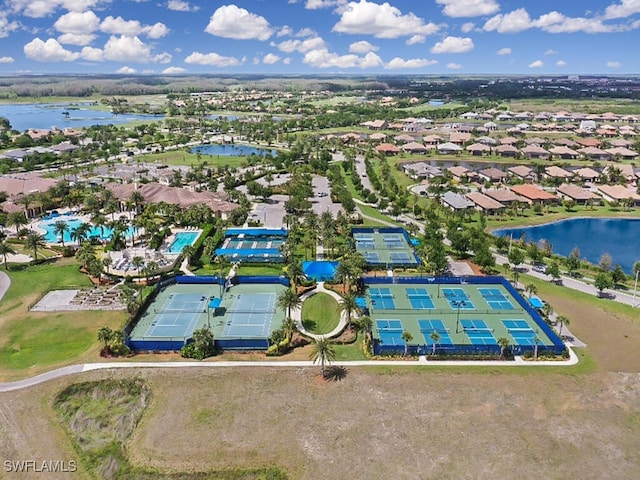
320, 36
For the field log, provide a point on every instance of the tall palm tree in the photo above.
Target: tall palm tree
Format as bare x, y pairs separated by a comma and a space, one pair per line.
348, 304
531, 289
288, 299
5, 249
80, 233
17, 219
105, 334
564, 320
60, 227
323, 351
34, 241
504, 344
295, 273
289, 326
365, 324
435, 338
408, 338
137, 262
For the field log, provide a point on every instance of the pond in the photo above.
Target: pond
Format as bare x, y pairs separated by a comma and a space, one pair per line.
593, 236
63, 115
232, 150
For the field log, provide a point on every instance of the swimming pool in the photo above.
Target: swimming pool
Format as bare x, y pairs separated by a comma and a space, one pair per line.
182, 239
103, 233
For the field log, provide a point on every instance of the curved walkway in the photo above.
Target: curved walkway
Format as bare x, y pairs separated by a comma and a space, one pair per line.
5, 283
422, 361
296, 314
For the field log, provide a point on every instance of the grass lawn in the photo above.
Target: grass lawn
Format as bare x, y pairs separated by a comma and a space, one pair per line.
32, 342
182, 157
320, 313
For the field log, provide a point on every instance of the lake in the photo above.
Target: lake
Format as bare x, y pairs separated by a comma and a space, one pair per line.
231, 150
48, 115
593, 236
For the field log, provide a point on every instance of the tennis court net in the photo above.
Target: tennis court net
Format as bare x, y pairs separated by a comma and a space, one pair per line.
179, 311
250, 311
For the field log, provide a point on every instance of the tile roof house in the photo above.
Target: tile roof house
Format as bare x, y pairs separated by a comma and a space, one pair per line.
414, 147
491, 174
421, 170
564, 152
484, 203
534, 151
506, 151
622, 153
534, 194
387, 149
504, 196
449, 148
577, 194
554, 171
522, 172
586, 173
616, 193
479, 149
595, 153
455, 201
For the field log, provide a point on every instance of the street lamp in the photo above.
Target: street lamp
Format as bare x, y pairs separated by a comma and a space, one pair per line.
458, 304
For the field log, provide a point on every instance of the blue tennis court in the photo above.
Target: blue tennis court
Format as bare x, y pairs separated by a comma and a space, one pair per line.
458, 298
427, 327
390, 332
520, 331
399, 257
478, 332
250, 315
372, 257
178, 315
419, 298
496, 299
382, 299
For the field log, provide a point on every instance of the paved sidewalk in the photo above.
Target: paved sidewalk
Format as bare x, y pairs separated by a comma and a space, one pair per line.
422, 361
5, 283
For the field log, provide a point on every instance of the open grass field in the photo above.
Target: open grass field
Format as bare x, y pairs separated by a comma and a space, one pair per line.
33, 342
320, 313
182, 157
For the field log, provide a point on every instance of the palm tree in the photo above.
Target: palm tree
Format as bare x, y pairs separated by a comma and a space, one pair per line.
34, 241
60, 228
289, 326
435, 338
295, 273
365, 324
81, 233
564, 320
17, 219
105, 334
288, 299
348, 304
5, 250
407, 337
504, 343
531, 289
323, 351
137, 262
188, 252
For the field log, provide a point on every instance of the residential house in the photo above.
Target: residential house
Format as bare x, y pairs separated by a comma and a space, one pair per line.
414, 148
586, 174
456, 202
504, 196
564, 152
535, 151
622, 153
554, 172
387, 149
618, 193
579, 195
594, 153
421, 170
459, 138
449, 148
522, 172
492, 175
534, 194
484, 203
479, 149
506, 151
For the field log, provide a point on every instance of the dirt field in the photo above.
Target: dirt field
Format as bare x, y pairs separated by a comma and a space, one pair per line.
372, 424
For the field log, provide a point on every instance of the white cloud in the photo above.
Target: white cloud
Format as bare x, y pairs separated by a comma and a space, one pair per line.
504, 51
285, 31
624, 9
454, 66
398, 63
76, 39
614, 64
270, 58
78, 23
126, 70
6, 60
6, 27
286, 61
561, 63
536, 64
302, 46
550, 52
49, 51
92, 54
230, 21
132, 28
512, 22
315, 4
180, 6
322, 58
126, 49
381, 21
467, 27
212, 58
306, 32
453, 45
468, 8
416, 39
174, 70
362, 47
42, 8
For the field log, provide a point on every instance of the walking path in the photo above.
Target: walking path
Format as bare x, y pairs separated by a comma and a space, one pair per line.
296, 314
422, 361
5, 283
